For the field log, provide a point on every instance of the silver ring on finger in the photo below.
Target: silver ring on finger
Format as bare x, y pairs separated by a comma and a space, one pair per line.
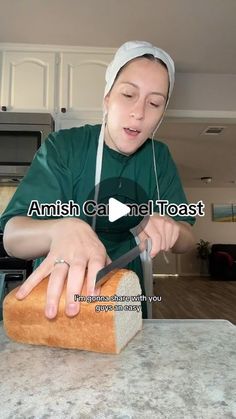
59, 260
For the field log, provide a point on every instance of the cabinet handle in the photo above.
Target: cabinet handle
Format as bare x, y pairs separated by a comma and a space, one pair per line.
4, 108
63, 110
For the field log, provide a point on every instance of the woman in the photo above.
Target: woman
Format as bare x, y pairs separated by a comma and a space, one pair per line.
139, 84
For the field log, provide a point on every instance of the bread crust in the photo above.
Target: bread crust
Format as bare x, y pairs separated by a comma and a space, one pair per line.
91, 330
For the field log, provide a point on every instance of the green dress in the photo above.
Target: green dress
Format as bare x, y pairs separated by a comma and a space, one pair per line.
64, 169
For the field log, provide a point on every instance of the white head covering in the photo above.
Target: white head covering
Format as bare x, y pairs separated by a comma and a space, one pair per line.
124, 54
134, 49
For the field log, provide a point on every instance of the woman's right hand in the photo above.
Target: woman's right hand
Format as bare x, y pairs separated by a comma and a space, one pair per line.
74, 241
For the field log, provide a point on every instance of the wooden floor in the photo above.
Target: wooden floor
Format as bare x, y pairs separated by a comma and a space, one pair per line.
194, 298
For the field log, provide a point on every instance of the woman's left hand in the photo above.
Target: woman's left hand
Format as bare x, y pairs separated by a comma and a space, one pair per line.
163, 231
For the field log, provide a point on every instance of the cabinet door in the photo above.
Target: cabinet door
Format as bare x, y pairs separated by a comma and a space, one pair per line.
28, 81
82, 83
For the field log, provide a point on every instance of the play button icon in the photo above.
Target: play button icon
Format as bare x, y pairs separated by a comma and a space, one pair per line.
116, 209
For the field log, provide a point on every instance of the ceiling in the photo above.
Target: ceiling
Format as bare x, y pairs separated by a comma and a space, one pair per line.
200, 36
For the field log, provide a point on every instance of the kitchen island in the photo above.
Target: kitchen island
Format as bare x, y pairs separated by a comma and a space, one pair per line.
178, 369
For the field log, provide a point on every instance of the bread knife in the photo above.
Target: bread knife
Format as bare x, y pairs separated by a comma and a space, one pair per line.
122, 261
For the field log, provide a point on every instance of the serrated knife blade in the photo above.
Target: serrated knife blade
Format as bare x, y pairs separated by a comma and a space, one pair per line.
122, 261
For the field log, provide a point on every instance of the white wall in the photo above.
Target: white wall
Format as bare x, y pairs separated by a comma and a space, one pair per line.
204, 228
214, 92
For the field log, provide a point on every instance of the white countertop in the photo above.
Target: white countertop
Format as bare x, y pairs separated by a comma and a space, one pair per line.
178, 369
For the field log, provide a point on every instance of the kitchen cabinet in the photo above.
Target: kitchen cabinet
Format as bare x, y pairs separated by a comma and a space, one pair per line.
67, 82
81, 87
28, 81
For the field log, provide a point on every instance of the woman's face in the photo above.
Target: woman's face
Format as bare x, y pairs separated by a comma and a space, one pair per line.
135, 104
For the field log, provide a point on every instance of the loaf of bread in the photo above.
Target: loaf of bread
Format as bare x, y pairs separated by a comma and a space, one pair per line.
100, 326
